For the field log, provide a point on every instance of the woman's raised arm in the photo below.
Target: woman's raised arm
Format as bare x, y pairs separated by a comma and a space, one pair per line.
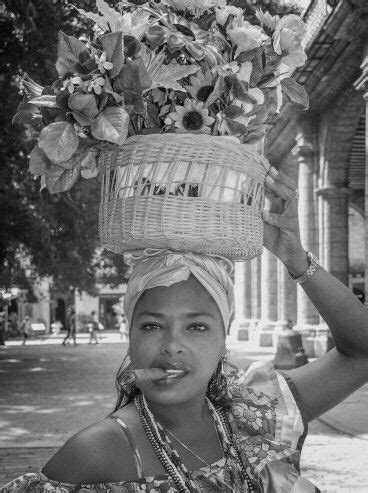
329, 379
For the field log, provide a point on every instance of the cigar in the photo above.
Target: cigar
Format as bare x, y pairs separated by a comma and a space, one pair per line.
145, 374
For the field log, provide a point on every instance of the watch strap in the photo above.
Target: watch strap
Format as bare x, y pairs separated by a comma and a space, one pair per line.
312, 269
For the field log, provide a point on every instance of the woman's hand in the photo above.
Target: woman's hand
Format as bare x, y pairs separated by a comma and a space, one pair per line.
281, 228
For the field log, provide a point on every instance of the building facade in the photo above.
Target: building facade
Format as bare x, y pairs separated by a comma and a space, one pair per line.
324, 149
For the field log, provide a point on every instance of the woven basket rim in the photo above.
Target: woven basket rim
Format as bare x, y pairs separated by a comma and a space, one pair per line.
225, 142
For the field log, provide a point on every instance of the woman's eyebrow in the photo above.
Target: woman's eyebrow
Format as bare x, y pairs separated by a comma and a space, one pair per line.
181, 315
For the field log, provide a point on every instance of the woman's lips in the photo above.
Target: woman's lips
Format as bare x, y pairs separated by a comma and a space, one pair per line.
175, 372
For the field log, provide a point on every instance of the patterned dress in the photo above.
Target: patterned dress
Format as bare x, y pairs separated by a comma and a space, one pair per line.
269, 426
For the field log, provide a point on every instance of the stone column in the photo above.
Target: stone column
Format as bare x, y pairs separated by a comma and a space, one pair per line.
362, 85
286, 297
333, 210
255, 269
304, 153
247, 313
239, 291
268, 298
243, 299
247, 325
286, 289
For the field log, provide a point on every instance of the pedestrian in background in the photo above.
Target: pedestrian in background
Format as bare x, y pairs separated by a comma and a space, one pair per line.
14, 324
26, 328
2, 328
71, 327
93, 328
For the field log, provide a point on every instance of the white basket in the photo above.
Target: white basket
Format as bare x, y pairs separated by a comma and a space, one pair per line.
185, 192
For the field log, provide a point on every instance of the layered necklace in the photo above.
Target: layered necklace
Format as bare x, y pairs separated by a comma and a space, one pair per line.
170, 458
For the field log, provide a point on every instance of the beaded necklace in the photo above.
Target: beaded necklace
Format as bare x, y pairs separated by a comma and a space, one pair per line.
170, 458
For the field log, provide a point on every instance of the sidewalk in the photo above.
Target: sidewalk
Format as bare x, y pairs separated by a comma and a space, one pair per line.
351, 415
22, 460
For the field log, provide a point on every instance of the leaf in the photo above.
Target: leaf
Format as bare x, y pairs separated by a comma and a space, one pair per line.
84, 104
69, 49
109, 90
112, 44
153, 114
82, 120
167, 76
59, 141
96, 18
235, 127
295, 92
133, 76
89, 164
240, 91
131, 46
257, 71
140, 20
165, 109
45, 101
27, 114
111, 16
111, 125
134, 100
32, 88
248, 56
59, 179
37, 162
233, 111
27, 118
217, 91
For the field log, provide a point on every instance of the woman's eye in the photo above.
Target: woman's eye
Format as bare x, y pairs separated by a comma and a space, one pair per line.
150, 327
198, 328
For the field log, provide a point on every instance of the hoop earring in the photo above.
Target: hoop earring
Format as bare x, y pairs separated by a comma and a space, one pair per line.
125, 383
217, 386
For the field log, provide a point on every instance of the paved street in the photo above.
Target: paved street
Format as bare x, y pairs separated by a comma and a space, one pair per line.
50, 391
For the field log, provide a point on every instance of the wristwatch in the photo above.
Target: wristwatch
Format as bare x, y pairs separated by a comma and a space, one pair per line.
312, 269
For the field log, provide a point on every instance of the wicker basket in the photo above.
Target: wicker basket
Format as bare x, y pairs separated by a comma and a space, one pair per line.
185, 192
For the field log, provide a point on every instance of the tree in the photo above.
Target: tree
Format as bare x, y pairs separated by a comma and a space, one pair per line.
57, 233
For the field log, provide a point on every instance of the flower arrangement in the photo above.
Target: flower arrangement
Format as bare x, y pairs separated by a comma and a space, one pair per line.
184, 66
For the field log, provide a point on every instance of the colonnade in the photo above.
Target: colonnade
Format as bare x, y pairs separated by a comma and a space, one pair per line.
265, 296
318, 161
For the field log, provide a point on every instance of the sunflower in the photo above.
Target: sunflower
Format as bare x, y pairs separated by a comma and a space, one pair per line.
190, 118
201, 85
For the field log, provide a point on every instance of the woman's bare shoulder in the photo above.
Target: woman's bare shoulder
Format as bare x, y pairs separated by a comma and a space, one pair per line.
100, 453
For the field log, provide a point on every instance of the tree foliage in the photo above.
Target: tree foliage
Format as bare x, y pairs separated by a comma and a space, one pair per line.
57, 233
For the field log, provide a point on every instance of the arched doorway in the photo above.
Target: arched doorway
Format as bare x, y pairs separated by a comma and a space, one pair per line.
357, 165
60, 314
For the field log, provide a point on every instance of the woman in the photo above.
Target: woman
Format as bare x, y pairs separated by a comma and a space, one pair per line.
185, 419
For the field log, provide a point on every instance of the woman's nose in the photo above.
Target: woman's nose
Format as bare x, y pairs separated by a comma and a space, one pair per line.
172, 344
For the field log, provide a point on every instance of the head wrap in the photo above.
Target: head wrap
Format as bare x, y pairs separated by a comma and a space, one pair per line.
154, 268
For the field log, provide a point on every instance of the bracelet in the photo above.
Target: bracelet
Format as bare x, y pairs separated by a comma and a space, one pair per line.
312, 269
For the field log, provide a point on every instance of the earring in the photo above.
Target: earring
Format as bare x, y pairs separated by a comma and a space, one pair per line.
125, 383
217, 386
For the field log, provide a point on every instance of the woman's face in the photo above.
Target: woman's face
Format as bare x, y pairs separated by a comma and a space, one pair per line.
180, 325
